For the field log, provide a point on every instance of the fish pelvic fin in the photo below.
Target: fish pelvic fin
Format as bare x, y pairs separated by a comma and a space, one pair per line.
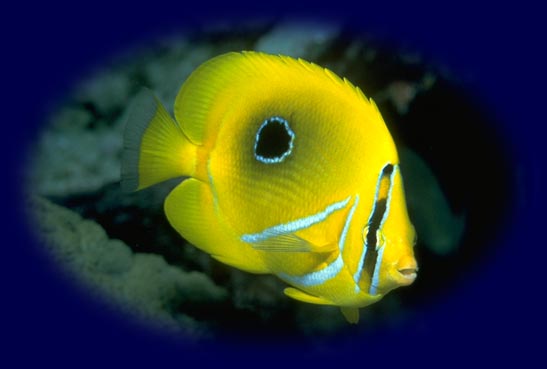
155, 147
351, 314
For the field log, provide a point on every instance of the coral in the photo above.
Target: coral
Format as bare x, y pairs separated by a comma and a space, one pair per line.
143, 284
298, 39
107, 92
75, 161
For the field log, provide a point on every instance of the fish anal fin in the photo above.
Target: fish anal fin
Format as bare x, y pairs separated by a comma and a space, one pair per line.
242, 263
190, 210
187, 209
300, 295
351, 314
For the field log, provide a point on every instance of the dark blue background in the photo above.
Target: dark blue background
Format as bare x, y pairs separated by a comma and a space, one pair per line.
497, 317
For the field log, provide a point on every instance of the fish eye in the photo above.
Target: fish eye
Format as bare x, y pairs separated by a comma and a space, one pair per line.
365, 233
379, 240
274, 141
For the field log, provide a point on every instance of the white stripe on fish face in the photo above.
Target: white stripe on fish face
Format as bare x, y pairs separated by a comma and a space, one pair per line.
330, 271
376, 275
378, 247
342, 239
359, 271
295, 225
388, 198
357, 275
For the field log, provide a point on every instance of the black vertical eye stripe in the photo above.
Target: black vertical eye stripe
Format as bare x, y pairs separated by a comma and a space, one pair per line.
375, 222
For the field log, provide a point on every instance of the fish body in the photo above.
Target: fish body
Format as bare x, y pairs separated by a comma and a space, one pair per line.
292, 172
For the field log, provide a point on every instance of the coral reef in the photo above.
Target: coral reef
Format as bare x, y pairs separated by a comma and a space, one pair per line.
142, 284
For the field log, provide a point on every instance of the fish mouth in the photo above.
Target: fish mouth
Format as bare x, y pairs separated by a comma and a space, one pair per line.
407, 275
396, 278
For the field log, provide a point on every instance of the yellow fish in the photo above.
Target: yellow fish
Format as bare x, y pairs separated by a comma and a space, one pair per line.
292, 172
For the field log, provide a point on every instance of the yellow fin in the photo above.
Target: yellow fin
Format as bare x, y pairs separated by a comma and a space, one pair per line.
305, 297
209, 91
351, 314
190, 210
247, 265
155, 148
283, 243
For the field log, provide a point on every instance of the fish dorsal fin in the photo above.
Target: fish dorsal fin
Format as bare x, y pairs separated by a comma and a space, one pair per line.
291, 243
210, 91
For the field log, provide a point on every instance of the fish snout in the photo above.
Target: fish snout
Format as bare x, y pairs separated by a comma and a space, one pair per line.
407, 269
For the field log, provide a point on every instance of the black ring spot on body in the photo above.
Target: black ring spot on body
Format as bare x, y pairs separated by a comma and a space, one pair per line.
273, 141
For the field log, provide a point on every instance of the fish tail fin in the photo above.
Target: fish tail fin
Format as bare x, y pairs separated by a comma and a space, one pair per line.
155, 147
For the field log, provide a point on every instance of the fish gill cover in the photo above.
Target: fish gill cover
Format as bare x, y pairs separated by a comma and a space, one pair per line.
457, 170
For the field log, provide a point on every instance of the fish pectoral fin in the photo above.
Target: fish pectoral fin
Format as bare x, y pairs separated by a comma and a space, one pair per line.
290, 243
305, 297
283, 243
351, 314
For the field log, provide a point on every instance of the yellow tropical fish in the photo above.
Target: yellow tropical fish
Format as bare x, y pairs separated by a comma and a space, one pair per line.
292, 172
